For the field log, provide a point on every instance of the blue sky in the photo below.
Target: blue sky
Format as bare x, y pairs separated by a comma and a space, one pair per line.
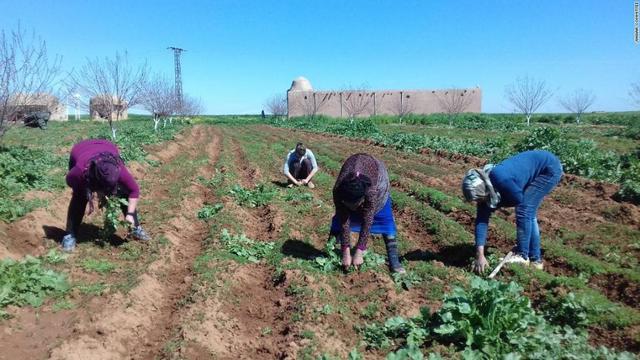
242, 52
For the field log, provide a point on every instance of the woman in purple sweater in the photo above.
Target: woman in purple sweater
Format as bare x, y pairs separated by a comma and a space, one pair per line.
95, 166
363, 204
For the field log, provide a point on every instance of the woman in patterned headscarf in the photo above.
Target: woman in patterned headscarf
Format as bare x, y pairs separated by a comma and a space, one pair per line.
363, 204
523, 181
95, 166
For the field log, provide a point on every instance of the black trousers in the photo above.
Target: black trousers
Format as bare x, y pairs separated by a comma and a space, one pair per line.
300, 169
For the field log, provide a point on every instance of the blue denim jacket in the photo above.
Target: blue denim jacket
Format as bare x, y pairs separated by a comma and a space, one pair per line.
510, 178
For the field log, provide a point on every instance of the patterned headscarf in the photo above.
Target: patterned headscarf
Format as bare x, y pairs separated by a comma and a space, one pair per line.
354, 188
476, 185
102, 175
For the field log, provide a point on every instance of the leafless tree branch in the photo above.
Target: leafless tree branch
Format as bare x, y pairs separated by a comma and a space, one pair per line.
158, 97
453, 102
26, 73
113, 83
578, 102
276, 105
527, 95
356, 101
402, 105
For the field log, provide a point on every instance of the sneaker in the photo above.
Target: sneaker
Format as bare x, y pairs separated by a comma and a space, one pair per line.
311, 185
68, 243
399, 270
290, 186
538, 265
138, 233
517, 259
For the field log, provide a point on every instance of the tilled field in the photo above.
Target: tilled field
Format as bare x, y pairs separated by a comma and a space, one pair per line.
191, 294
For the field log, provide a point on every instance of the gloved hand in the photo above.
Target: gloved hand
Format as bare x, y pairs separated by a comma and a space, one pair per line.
68, 242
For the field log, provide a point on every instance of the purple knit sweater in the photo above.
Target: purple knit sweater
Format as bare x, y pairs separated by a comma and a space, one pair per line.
375, 197
82, 153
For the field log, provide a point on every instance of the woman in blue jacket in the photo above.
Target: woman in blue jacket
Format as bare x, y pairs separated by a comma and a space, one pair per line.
522, 181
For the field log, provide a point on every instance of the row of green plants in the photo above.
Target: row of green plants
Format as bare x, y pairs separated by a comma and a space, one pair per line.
23, 169
491, 320
581, 157
574, 311
135, 133
31, 280
509, 122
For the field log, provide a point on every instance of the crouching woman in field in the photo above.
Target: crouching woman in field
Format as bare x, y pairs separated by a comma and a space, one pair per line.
363, 204
300, 166
522, 180
95, 166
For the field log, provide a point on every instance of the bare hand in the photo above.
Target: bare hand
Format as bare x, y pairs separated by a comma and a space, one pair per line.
305, 181
346, 258
480, 265
358, 258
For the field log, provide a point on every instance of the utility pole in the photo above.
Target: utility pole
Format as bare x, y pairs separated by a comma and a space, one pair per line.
178, 86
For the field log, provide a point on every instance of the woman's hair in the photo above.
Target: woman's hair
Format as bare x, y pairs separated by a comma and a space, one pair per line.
103, 172
300, 148
353, 188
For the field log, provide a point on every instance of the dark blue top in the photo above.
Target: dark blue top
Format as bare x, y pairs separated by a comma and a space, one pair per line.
510, 178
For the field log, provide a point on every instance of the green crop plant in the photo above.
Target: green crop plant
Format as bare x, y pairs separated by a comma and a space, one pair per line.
407, 280
208, 211
29, 282
112, 218
488, 320
260, 196
245, 248
98, 266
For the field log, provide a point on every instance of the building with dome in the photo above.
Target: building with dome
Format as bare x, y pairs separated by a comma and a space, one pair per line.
302, 100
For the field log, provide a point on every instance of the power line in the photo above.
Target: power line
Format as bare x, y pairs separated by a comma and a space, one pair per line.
178, 85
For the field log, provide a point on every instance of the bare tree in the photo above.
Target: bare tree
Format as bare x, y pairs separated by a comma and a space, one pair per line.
113, 83
191, 106
312, 103
402, 105
578, 102
26, 72
634, 92
527, 95
454, 102
158, 97
356, 101
276, 105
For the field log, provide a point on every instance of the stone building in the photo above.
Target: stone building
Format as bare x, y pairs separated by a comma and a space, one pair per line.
302, 100
100, 106
24, 104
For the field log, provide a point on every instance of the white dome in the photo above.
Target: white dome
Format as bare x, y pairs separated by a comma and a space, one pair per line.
300, 84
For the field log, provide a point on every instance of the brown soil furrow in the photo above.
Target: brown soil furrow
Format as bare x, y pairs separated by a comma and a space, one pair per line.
134, 325
553, 217
261, 223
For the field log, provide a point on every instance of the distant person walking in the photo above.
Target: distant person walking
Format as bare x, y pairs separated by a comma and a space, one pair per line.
361, 196
95, 166
523, 181
300, 166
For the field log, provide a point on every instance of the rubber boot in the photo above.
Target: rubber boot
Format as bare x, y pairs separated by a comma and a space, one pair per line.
392, 253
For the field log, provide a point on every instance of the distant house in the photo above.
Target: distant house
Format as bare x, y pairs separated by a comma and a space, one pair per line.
302, 100
101, 108
24, 104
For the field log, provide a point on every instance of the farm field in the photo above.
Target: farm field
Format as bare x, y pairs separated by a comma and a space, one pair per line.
240, 267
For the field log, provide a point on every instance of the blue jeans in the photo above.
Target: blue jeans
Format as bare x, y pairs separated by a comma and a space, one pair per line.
528, 232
